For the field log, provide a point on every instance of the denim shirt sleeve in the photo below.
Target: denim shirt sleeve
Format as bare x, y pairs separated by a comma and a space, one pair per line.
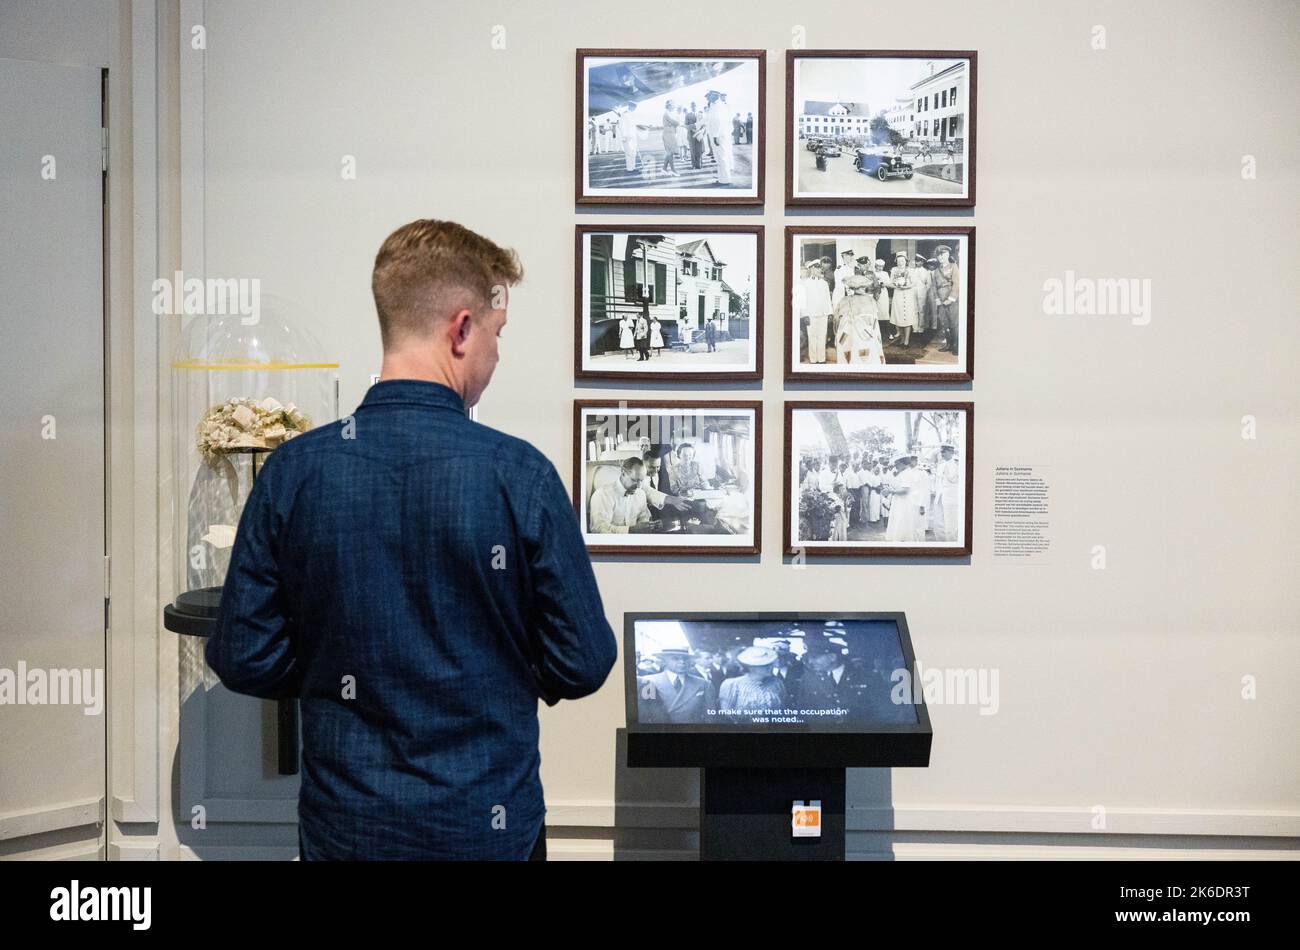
577, 646
252, 648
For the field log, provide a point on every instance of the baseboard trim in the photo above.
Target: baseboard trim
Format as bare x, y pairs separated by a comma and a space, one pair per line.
134, 852
965, 818
35, 821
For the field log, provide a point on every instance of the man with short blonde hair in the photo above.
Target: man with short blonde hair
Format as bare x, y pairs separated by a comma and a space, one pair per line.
430, 257
441, 292
419, 581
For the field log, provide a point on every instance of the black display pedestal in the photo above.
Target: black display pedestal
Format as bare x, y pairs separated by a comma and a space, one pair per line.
745, 814
195, 614
286, 736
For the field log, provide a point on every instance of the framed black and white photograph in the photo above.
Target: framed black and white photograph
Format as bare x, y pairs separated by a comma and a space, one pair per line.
880, 128
670, 126
878, 479
668, 476
879, 304
668, 302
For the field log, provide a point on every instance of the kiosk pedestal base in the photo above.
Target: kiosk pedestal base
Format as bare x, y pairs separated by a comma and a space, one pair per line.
745, 814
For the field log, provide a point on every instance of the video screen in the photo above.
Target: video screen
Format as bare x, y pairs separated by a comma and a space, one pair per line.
768, 672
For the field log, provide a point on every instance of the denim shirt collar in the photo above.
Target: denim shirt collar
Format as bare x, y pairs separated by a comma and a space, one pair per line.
413, 392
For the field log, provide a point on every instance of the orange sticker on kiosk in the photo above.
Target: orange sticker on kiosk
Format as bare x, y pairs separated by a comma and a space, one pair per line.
806, 820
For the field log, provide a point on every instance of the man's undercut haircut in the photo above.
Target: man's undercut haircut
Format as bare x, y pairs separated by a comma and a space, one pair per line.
428, 269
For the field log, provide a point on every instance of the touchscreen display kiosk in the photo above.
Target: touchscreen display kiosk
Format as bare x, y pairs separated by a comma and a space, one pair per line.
773, 690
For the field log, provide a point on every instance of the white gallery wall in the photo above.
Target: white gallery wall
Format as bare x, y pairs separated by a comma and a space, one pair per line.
1121, 725
1120, 687
99, 34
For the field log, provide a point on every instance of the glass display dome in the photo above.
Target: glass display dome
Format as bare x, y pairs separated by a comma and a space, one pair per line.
240, 388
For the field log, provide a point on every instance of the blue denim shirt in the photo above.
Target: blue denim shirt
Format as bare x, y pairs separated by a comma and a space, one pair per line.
420, 581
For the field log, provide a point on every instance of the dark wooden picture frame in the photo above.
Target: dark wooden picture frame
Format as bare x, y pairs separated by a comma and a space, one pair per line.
793, 546
868, 201
580, 343
967, 264
754, 406
648, 197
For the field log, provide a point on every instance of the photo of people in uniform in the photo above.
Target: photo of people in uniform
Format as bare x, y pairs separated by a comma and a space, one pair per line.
684, 302
878, 480
672, 478
670, 128
880, 304
877, 128
827, 672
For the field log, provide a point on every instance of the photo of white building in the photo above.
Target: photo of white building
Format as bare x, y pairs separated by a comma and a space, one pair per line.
834, 119
939, 106
694, 290
876, 128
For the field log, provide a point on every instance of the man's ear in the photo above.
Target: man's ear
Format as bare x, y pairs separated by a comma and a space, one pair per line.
458, 328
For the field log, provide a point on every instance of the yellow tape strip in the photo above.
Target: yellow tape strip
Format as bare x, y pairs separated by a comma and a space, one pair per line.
255, 366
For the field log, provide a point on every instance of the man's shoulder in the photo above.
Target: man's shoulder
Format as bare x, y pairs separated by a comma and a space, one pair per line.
471, 439
509, 448
513, 458
320, 439
470, 434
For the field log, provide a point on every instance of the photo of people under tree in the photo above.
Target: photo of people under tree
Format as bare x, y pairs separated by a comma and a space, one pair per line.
878, 477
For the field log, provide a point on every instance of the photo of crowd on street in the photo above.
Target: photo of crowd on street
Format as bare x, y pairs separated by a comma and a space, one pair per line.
738, 672
873, 126
661, 126
879, 304
670, 302
879, 478
656, 475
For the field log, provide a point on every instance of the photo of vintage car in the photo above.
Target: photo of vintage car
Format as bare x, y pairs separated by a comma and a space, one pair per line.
881, 164
903, 121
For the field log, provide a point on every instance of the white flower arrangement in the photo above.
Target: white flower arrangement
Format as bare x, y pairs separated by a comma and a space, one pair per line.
242, 423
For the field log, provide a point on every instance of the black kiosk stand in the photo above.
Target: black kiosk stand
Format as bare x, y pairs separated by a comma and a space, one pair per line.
772, 789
